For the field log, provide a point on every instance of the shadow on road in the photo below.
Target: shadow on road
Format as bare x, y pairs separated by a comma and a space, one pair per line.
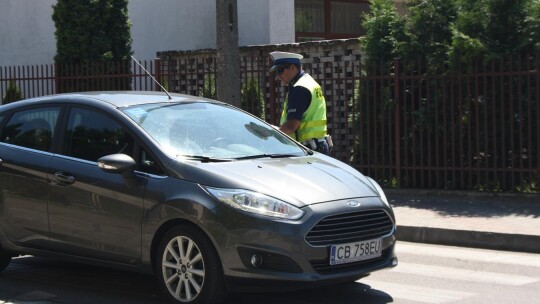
52, 281
466, 204
338, 294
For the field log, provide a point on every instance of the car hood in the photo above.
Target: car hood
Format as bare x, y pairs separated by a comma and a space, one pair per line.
297, 180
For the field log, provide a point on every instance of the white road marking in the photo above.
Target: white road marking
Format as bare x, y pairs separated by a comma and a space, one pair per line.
463, 274
477, 255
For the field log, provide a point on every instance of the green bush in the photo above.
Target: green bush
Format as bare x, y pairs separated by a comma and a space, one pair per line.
253, 98
13, 93
208, 90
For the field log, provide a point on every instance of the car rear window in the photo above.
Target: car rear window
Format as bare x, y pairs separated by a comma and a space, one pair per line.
32, 128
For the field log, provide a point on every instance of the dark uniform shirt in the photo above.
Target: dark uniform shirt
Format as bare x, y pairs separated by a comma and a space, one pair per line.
298, 99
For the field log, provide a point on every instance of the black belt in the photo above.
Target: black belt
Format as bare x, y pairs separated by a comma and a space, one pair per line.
306, 143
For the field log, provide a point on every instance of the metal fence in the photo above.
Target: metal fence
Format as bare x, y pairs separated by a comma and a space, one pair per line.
44, 79
477, 127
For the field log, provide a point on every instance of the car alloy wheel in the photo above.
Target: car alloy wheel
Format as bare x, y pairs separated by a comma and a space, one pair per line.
189, 269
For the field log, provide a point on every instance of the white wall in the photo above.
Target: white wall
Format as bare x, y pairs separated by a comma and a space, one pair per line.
281, 21
27, 29
253, 22
178, 25
26, 32
171, 25
265, 21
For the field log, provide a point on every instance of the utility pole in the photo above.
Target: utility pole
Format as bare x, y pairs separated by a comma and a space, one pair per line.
228, 54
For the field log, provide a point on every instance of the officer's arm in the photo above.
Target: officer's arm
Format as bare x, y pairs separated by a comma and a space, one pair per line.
299, 100
290, 126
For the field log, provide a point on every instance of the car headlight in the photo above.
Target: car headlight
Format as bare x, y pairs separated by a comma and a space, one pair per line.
379, 189
256, 203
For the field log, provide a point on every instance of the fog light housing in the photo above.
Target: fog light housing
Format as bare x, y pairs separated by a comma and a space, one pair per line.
259, 259
256, 260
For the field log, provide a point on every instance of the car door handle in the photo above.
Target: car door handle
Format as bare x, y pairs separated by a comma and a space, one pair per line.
62, 177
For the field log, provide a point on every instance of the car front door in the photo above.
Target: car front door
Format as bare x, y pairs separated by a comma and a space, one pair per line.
93, 213
25, 144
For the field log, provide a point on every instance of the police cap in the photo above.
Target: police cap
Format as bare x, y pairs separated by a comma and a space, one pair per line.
284, 58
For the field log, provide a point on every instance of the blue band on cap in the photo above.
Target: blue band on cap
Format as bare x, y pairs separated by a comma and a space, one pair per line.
287, 60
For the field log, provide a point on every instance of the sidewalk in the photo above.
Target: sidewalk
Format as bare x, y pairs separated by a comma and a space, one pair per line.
471, 219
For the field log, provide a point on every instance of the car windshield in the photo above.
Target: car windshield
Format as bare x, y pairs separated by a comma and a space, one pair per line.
210, 131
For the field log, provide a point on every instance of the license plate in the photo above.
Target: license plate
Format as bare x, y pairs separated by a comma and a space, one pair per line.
354, 252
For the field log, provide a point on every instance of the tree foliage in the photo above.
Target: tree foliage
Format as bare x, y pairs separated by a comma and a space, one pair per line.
532, 32
428, 31
445, 31
384, 30
91, 30
92, 37
445, 45
490, 29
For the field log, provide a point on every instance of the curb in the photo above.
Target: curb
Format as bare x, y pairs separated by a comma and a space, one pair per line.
453, 194
464, 238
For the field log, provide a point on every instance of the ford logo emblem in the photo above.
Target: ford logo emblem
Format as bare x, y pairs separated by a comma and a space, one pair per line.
353, 204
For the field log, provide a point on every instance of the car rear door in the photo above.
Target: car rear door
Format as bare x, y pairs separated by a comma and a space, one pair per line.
93, 213
25, 144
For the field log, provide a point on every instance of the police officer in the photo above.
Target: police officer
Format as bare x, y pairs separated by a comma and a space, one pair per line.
304, 110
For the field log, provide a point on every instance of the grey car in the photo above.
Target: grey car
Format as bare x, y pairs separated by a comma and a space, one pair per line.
205, 196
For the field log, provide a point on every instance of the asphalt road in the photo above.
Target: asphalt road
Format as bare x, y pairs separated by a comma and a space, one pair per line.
426, 274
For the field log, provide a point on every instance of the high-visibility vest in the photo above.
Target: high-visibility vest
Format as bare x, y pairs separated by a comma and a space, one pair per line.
313, 123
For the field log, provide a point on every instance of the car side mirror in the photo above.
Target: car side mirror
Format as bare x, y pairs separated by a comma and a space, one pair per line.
118, 164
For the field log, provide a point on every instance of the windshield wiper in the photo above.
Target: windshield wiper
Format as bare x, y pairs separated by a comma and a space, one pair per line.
206, 159
266, 155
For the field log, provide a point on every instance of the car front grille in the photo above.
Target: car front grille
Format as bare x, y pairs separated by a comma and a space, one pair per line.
350, 227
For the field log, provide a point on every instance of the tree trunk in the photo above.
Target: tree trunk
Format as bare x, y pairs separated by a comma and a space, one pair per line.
228, 54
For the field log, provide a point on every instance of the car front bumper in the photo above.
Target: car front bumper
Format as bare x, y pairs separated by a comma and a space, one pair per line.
287, 259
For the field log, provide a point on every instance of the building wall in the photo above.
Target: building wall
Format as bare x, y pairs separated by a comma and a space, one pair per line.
282, 27
27, 31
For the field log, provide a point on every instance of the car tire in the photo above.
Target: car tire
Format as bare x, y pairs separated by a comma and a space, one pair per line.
4, 259
188, 267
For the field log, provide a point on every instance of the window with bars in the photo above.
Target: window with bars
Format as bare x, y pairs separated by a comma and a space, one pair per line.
329, 19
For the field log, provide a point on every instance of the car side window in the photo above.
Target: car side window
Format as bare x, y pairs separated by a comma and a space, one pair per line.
32, 128
91, 135
148, 164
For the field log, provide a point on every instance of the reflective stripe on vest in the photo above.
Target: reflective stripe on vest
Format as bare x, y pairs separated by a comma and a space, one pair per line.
313, 123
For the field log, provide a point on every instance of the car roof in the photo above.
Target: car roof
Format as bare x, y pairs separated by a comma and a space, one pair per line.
118, 99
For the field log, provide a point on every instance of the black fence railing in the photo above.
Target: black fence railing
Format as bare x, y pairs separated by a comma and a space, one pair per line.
474, 128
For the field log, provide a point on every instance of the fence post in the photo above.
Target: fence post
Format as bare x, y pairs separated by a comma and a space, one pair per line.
157, 73
272, 101
397, 121
56, 75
